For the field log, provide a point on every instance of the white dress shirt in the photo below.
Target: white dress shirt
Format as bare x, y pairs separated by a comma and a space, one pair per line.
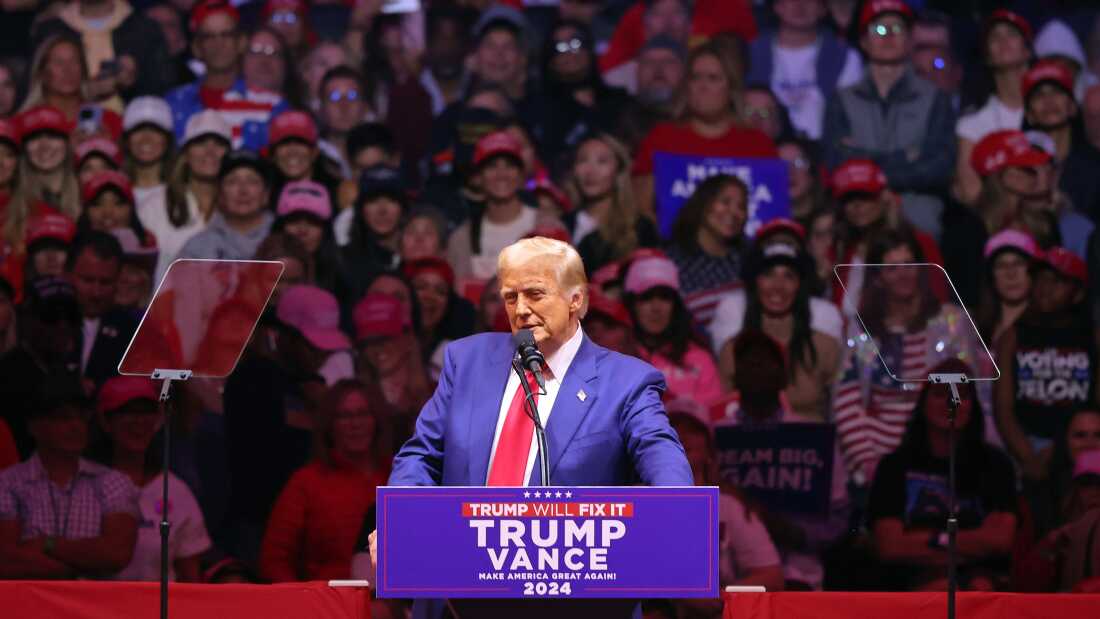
558, 363
91, 330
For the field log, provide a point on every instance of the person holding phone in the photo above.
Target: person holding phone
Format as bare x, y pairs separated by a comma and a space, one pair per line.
125, 53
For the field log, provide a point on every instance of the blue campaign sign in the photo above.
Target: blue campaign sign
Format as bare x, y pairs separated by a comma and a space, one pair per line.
788, 467
675, 178
491, 542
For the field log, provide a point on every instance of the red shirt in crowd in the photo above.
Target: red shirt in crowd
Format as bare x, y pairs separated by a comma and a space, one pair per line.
709, 17
681, 139
315, 524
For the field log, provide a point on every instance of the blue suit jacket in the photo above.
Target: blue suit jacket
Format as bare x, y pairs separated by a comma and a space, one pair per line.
617, 434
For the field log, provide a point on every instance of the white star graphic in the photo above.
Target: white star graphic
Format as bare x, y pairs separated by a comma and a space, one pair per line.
526, 495
568, 494
558, 494
537, 495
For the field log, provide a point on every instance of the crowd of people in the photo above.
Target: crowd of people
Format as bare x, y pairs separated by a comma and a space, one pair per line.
386, 158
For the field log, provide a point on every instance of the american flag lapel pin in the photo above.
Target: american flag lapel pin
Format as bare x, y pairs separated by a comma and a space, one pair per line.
582, 396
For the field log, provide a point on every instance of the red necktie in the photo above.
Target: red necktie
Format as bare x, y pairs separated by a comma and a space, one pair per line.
514, 445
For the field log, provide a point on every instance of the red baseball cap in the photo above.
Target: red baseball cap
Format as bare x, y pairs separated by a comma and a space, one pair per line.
206, 8
430, 264
782, 224
858, 176
43, 118
106, 180
544, 185
292, 125
1067, 263
119, 391
9, 132
873, 9
1013, 19
50, 226
98, 146
1007, 148
604, 305
1047, 71
378, 316
497, 143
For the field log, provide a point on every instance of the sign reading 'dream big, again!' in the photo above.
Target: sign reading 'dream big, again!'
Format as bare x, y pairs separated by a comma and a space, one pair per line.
591, 542
675, 178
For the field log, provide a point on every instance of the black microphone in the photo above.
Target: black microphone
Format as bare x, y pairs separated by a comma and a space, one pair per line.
529, 356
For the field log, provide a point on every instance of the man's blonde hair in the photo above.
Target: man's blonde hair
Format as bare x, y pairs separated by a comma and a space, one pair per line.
568, 266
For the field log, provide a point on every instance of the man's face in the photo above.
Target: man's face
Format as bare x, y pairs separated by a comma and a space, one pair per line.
932, 57
218, 43
94, 279
263, 62
64, 430
534, 299
170, 26
446, 49
799, 14
668, 18
659, 74
1050, 107
343, 104
243, 193
499, 58
887, 40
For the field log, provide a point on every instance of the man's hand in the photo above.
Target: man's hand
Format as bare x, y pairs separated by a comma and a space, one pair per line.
372, 541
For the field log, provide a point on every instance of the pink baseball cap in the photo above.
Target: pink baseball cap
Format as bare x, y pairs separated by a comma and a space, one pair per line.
305, 197
292, 125
121, 390
1088, 463
315, 314
1011, 239
98, 146
378, 316
651, 272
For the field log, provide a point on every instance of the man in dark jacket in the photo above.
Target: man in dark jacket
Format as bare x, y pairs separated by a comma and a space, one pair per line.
106, 330
895, 118
124, 50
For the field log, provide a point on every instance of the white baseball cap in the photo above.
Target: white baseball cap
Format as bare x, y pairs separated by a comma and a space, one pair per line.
147, 111
207, 122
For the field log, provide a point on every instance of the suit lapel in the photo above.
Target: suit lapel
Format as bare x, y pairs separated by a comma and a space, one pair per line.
569, 409
486, 409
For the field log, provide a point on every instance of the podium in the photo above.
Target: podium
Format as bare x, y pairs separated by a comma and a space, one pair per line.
536, 552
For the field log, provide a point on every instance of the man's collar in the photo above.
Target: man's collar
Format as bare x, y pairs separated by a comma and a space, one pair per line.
560, 361
84, 468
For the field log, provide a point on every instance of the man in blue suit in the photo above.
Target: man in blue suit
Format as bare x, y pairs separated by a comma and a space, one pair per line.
605, 423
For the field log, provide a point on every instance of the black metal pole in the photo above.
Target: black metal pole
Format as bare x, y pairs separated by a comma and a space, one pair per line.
165, 526
540, 432
952, 507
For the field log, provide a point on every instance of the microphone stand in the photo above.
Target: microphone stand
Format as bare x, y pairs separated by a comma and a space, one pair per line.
540, 432
952, 381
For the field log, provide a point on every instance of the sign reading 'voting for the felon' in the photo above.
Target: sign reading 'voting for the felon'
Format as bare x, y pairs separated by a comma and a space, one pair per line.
592, 542
675, 178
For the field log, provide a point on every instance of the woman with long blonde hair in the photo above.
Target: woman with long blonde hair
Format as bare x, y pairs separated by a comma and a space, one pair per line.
709, 124
45, 172
58, 76
606, 225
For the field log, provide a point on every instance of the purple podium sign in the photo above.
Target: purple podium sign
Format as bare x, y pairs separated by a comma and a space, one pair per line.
550, 543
